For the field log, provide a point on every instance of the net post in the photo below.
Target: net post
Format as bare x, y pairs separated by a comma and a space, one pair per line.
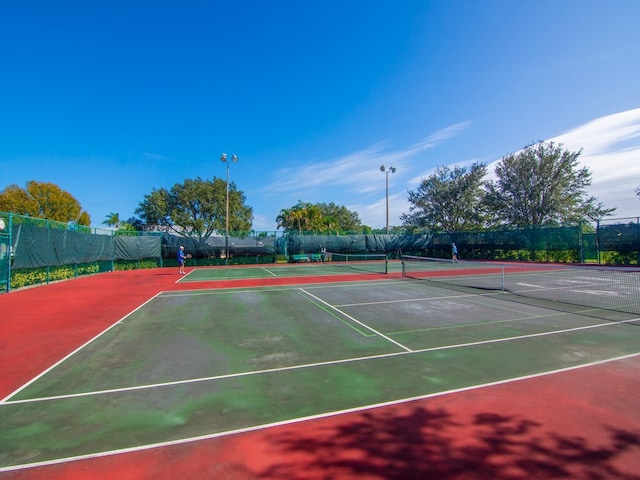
503, 284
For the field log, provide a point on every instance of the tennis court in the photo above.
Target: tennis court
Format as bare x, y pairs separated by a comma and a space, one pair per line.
206, 357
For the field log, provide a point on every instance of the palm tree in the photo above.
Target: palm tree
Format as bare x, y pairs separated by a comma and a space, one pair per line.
314, 220
112, 220
298, 216
295, 217
283, 219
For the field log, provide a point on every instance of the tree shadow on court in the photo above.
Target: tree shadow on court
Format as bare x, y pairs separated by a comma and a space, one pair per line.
433, 444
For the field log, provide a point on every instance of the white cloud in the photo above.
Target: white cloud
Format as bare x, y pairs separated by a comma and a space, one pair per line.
357, 172
440, 136
611, 151
154, 157
374, 214
352, 171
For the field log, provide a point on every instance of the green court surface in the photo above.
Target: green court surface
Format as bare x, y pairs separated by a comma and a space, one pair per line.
203, 363
202, 274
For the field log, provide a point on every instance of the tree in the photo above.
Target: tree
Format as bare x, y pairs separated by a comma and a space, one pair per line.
112, 220
450, 200
542, 185
339, 218
294, 217
313, 221
134, 223
196, 208
126, 227
283, 220
43, 200
319, 217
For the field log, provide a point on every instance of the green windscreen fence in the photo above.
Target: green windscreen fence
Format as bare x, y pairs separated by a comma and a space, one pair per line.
36, 246
618, 241
612, 242
350, 244
537, 244
549, 244
217, 246
28, 244
137, 247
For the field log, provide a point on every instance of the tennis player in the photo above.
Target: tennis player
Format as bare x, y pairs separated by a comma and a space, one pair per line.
181, 259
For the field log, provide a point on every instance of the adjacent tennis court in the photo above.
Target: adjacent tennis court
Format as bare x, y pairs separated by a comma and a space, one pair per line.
331, 264
198, 361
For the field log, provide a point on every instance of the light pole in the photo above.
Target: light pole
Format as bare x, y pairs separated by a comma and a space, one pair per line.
387, 171
234, 159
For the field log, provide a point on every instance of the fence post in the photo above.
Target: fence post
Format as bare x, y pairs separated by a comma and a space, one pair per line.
580, 242
10, 252
638, 224
598, 241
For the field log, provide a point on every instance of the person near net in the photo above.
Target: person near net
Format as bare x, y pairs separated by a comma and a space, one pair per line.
181, 259
454, 253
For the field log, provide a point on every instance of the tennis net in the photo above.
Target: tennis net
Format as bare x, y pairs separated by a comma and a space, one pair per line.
368, 262
601, 287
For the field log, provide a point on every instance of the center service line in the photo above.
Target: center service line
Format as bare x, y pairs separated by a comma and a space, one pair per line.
357, 321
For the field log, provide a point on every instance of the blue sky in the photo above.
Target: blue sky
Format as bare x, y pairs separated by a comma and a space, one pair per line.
110, 99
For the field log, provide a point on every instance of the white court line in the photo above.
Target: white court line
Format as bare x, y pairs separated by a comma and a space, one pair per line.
268, 271
529, 285
421, 299
255, 428
279, 288
473, 297
357, 321
182, 277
